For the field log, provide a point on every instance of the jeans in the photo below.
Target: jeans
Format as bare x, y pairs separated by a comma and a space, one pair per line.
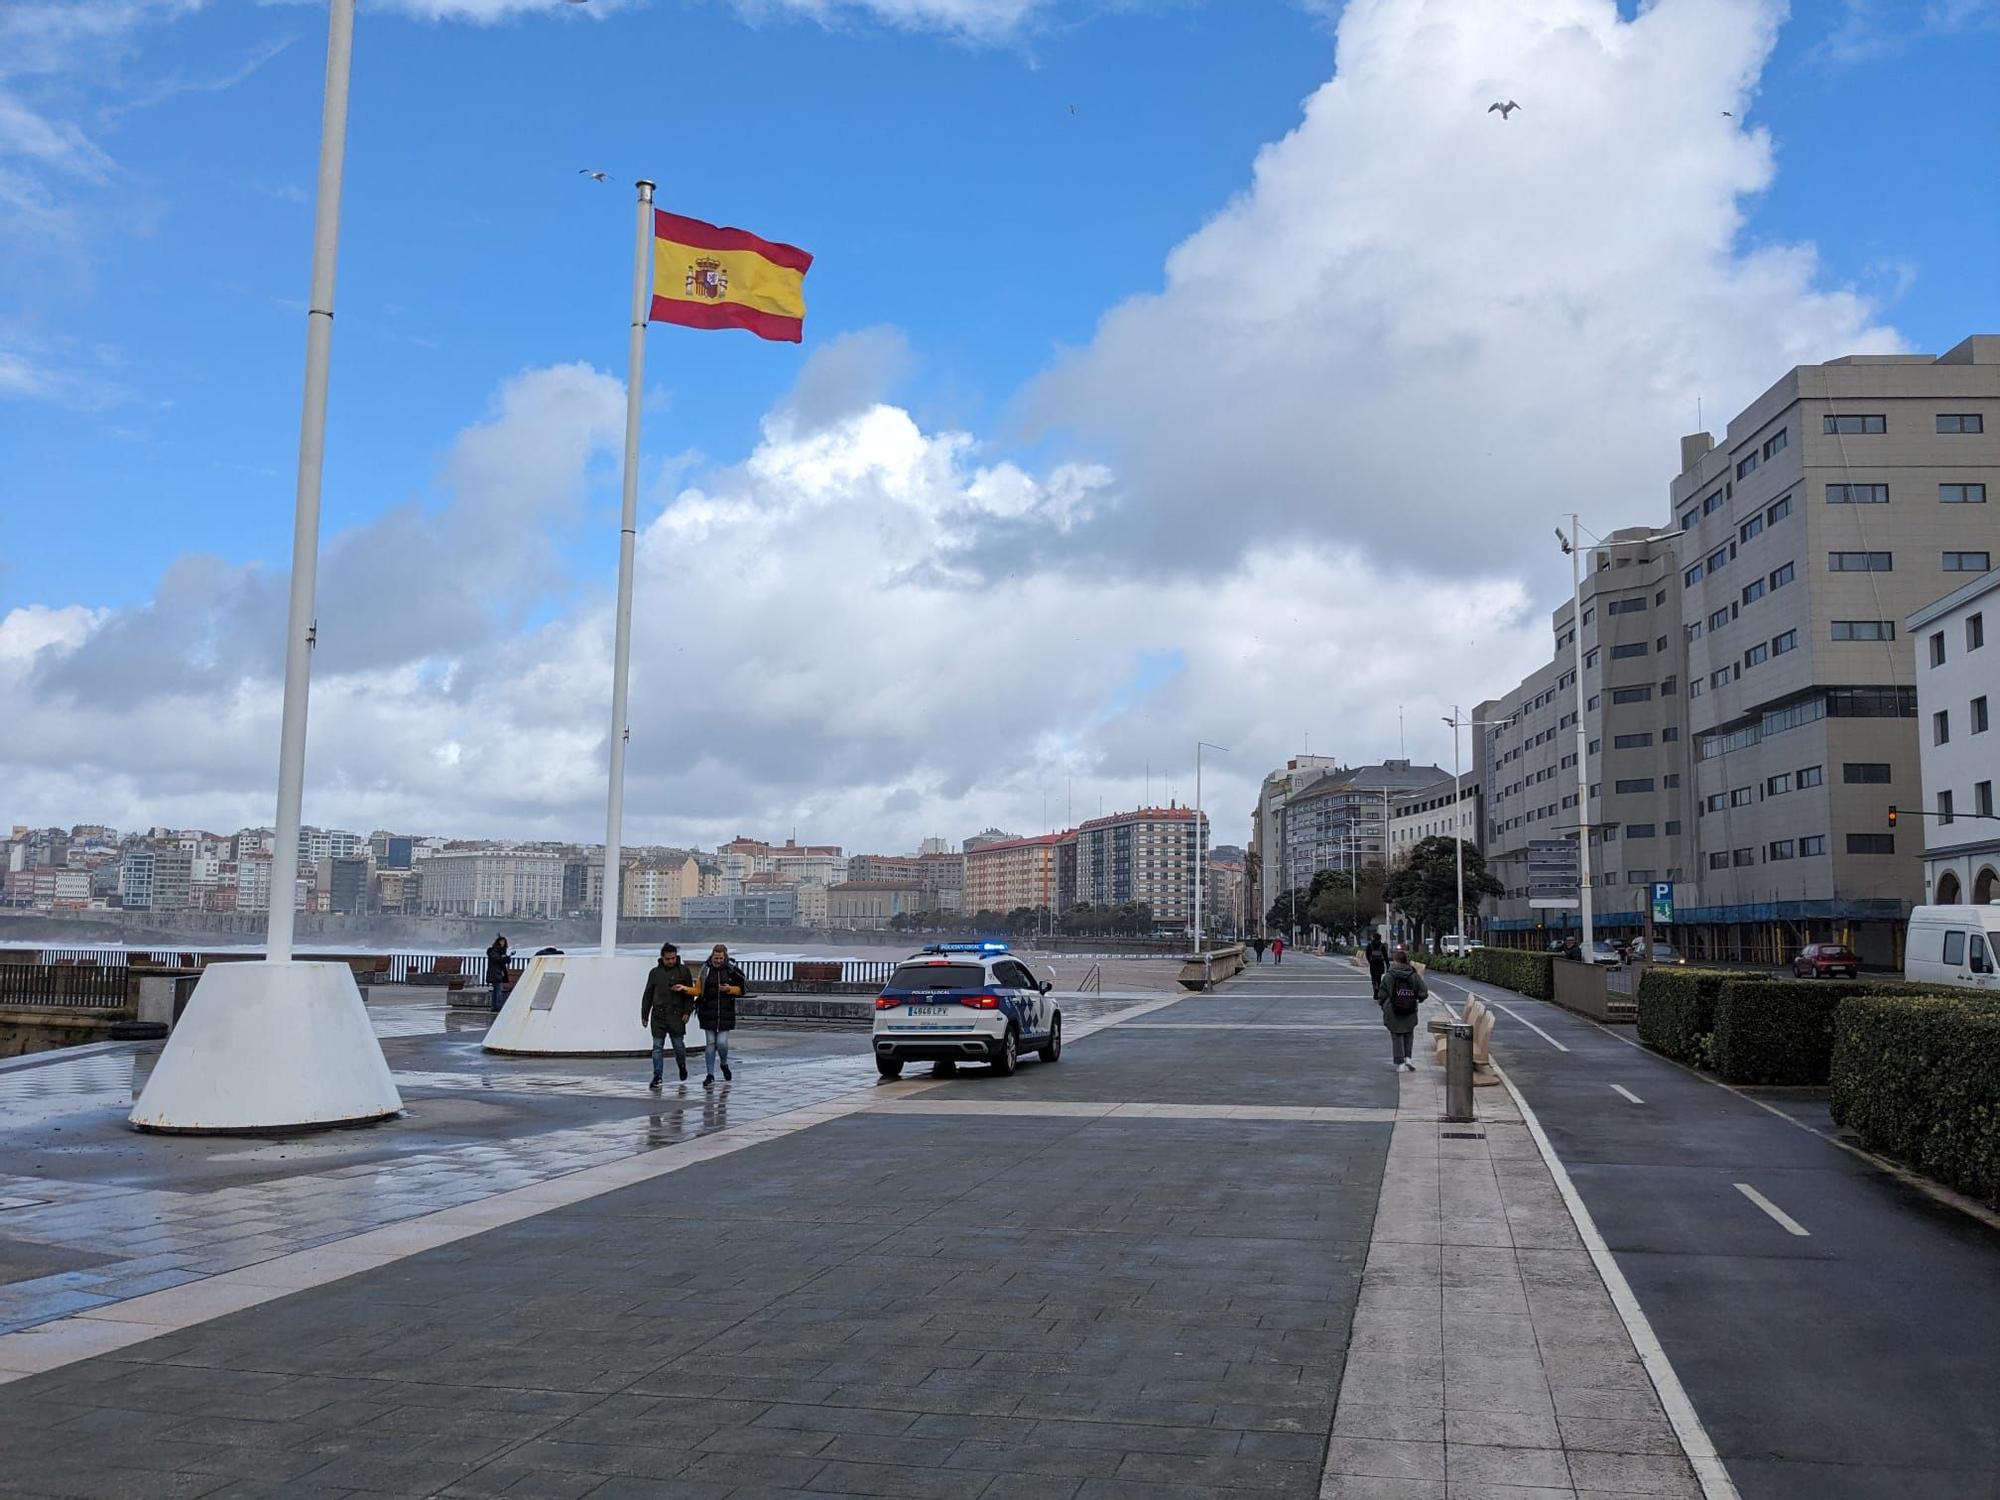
499, 995
718, 1043
660, 1055
1400, 1041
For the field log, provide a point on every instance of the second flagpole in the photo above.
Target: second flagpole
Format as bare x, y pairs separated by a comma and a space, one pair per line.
614, 812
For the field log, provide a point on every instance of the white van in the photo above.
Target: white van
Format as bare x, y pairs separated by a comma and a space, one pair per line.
1956, 945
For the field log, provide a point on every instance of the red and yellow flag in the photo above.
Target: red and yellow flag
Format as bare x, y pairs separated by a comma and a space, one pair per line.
709, 277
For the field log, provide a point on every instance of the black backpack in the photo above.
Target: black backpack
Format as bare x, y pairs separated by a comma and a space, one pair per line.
1403, 997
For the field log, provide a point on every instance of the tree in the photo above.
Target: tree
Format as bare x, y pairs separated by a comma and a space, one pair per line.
1347, 907
1425, 887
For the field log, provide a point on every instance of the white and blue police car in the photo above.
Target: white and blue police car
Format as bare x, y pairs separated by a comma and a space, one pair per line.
964, 1002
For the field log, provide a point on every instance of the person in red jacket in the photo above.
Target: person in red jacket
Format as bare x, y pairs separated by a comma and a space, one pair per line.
1277, 950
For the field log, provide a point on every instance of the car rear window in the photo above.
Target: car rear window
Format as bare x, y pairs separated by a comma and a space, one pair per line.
937, 977
1836, 952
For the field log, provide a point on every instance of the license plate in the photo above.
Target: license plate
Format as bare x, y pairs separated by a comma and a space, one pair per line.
928, 1010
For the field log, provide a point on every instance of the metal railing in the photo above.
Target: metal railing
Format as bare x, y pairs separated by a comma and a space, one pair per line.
84, 987
1093, 982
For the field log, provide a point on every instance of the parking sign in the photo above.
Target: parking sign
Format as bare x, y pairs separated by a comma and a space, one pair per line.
1663, 901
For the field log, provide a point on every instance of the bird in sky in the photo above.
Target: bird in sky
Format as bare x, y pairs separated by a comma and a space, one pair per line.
1727, 115
1504, 109
593, 176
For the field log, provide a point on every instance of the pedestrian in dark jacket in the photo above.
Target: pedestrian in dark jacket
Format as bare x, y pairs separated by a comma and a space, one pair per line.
666, 1006
1378, 960
1259, 945
497, 963
721, 983
1400, 993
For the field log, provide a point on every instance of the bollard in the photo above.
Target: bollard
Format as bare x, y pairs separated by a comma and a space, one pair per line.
1458, 1072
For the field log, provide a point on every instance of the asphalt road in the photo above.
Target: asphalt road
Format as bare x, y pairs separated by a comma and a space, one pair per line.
1837, 1329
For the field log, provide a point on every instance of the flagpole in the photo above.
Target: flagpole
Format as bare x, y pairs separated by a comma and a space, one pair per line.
614, 814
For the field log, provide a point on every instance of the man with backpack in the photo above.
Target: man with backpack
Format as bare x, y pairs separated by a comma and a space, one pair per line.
1401, 992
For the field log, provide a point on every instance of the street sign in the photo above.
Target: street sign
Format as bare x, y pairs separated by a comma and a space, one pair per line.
1553, 882
1663, 901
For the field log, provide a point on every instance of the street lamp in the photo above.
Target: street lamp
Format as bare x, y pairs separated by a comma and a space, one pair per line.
1457, 796
1200, 843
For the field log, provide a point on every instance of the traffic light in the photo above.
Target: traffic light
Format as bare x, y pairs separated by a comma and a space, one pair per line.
1892, 815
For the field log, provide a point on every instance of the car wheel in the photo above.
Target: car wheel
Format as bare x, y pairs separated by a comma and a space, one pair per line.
1053, 1051
889, 1067
1007, 1054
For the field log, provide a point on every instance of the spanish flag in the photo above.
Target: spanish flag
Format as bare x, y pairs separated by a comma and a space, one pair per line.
709, 277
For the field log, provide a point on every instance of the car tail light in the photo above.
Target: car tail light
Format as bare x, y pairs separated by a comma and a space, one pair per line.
886, 1002
980, 1002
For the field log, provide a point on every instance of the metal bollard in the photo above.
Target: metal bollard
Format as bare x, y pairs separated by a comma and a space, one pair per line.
1458, 1072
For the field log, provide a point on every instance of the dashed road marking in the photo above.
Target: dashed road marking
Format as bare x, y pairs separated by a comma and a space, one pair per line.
1619, 1088
1790, 1224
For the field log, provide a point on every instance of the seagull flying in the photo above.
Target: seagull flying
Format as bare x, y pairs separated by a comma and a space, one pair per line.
593, 176
1504, 109
1727, 115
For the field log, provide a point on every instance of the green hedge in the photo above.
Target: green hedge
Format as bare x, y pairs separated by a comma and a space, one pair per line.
1530, 974
1918, 1076
1677, 1011
1777, 1030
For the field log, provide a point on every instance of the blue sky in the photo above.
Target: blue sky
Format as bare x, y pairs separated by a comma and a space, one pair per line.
944, 185
1185, 369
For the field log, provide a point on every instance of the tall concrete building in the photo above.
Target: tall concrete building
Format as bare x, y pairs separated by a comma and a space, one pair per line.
1148, 855
497, 883
1010, 873
1266, 863
1958, 689
1340, 821
1844, 499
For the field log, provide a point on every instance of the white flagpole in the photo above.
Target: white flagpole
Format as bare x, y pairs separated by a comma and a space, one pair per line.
614, 814
299, 625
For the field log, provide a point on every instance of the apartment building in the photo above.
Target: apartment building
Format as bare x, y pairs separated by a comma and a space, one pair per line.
1428, 813
1639, 812
765, 906
1008, 873
868, 905
1340, 820
1843, 500
1958, 689
156, 879
493, 884
1266, 862
940, 873
1149, 855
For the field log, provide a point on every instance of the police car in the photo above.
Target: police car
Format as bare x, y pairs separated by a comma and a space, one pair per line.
964, 1002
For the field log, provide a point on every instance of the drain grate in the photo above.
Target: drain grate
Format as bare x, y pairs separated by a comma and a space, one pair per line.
1462, 1135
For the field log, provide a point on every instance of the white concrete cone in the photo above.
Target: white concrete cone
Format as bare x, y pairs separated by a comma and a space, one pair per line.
578, 1005
269, 1046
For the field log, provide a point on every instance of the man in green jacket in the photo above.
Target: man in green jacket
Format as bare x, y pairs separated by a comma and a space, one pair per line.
666, 1005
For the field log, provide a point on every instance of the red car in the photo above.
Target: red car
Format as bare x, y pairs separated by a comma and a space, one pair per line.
1825, 961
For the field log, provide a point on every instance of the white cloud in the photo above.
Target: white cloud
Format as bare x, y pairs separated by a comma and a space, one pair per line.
1426, 328
985, 20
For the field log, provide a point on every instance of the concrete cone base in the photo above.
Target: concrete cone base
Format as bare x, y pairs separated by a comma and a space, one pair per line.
268, 1047
580, 1005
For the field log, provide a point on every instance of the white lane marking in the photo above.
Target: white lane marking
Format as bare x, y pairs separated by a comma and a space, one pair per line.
1694, 1439
1527, 1023
1790, 1224
1619, 1088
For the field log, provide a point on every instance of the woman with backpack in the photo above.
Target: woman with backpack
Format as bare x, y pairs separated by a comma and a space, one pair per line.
1401, 992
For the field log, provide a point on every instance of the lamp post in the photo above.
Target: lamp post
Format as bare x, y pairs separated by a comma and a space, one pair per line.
1457, 797
1200, 844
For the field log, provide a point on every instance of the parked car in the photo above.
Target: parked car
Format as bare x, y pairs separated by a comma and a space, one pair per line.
1666, 953
1954, 945
1826, 961
1456, 943
1604, 951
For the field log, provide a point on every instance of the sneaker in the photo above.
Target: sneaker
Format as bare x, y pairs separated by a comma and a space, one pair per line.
684, 1072
726, 1074
1408, 1066
655, 1084
708, 1082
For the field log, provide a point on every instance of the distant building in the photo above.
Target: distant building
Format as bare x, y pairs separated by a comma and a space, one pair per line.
1147, 856
501, 884
1958, 689
990, 836
155, 879
868, 905
1427, 813
1003, 875
342, 883
772, 906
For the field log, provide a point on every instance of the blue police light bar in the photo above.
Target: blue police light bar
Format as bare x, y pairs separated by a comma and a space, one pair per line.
988, 946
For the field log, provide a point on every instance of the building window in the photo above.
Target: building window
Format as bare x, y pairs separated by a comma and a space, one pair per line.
1861, 562
1863, 773
1636, 784
1720, 676
1742, 858
1941, 727
1979, 714
1673, 731
1864, 630
1630, 741
1692, 576
1857, 494
1944, 808
1810, 776
1671, 779
1982, 798
1621, 653
1975, 632
1719, 619
1688, 520
1777, 511
1788, 641
1756, 655
1718, 559
1937, 648
1962, 494
1777, 442
1638, 830
1811, 844
1778, 849
1869, 426
1638, 877
1777, 786
1741, 796
1718, 861
1625, 607
1871, 843
1967, 562
1591, 748
1960, 421
1694, 687
1749, 528
1782, 576
1694, 631
1753, 591
1713, 503
1632, 694
1746, 466
1591, 706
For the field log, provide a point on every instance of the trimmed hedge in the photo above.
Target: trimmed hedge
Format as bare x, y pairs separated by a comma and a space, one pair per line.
1777, 1030
1530, 974
1918, 1076
1677, 1011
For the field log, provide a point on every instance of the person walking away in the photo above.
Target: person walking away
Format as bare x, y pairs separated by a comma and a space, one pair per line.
1378, 960
665, 1007
1277, 950
1401, 991
497, 961
1258, 945
721, 983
